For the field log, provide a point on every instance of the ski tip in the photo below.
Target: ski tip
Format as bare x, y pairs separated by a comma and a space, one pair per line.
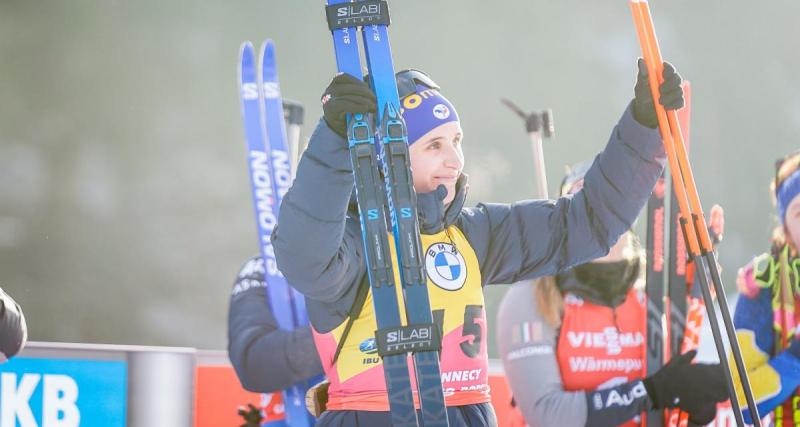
247, 62
246, 56
268, 62
268, 51
269, 46
246, 49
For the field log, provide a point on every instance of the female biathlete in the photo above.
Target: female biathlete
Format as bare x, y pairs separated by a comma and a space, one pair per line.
318, 241
573, 348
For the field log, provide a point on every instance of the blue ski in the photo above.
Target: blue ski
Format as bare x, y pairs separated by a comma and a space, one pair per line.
280, 157
265, 202
385, 133
371, 204
403, 213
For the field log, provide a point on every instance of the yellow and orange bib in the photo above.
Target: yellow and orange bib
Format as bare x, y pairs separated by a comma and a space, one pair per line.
456, 297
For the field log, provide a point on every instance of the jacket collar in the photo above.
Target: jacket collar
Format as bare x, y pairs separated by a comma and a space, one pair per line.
611, 297
433, 215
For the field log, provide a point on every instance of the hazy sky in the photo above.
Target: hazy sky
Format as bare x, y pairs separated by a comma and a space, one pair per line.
124, 202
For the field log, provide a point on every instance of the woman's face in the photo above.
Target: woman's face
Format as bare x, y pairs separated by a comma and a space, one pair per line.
437, 159
791, 222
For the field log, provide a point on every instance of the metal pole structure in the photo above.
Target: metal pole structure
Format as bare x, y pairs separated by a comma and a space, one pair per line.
161, 387
293, 113
538, 125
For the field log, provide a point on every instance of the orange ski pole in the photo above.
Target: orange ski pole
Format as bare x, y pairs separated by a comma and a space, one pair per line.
667, 139
692, 220
700, 227
677, 135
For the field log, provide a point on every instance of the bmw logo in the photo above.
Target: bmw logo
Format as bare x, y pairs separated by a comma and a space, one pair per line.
445, 266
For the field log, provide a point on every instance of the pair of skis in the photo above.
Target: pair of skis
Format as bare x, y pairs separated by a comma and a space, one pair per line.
674, 313
692, 221
381, 168
270, 166
684, 307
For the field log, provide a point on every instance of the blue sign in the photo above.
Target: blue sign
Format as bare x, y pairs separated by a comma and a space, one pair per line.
63, 393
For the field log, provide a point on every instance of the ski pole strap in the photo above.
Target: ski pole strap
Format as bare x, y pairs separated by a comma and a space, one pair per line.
405, 339
347, 15
355, 311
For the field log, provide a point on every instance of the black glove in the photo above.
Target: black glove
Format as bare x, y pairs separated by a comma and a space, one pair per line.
346, 94
694, 388
670, 94
251, 414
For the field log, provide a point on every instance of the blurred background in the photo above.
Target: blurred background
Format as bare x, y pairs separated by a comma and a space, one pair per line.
125, 207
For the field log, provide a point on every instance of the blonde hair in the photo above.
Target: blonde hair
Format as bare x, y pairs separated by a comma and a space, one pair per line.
549, 300
779, 239
784, 169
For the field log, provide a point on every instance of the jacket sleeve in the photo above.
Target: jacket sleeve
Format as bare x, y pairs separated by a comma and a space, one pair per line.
773, 377
542, 237
528, 349
265, 358
316, 249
